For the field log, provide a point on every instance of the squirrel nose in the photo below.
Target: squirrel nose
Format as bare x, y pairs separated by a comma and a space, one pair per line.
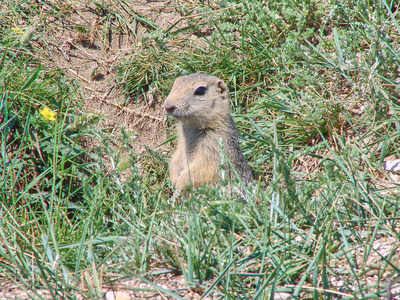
169, 107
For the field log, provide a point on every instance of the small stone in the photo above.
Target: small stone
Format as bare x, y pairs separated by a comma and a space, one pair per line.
281, 296
393, 166
117, 296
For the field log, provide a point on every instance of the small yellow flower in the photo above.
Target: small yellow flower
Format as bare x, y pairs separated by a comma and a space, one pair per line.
47, 114
17, 30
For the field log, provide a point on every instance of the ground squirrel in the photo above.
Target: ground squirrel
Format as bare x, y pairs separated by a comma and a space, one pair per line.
200, 103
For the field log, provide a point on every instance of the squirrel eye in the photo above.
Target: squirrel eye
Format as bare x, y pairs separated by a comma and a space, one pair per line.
200, 91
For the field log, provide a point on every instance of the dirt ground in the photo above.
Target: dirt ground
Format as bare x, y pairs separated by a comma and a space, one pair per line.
91, 61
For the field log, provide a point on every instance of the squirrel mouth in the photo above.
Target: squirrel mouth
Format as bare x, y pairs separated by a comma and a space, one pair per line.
177, 115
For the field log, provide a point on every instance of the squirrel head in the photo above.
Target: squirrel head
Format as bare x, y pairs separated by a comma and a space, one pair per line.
199, 100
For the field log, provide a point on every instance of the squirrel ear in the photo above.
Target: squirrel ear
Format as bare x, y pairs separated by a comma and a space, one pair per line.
221, 87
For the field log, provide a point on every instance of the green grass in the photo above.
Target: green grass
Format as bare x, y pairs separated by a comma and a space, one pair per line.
315, 93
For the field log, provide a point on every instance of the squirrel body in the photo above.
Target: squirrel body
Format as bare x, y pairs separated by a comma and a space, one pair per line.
200, 104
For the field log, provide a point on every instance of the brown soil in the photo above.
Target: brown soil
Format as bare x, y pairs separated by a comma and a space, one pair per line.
91, 59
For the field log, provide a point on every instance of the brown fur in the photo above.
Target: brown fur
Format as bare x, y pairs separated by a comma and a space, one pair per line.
203, 120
